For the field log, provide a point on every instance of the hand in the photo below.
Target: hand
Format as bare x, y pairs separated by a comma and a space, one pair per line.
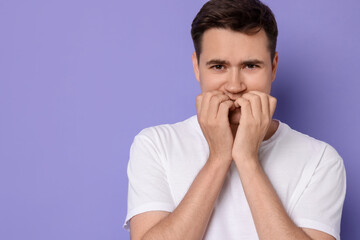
257, 110
212, 113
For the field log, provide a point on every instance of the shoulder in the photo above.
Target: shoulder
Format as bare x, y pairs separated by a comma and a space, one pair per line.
300, 138
168, 132
311, 146
157, 143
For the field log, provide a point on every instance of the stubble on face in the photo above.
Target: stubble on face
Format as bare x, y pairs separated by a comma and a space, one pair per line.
234, 48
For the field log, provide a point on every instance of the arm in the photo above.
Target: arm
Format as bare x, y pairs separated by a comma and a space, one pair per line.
190, 219
270, 217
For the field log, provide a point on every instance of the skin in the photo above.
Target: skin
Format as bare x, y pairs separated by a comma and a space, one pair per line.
235, 112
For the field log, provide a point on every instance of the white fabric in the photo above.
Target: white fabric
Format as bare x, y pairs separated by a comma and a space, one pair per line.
307, 174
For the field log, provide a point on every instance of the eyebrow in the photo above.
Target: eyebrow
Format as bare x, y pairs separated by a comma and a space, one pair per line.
224, 62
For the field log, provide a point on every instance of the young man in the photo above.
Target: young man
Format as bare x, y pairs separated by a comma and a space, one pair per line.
232, 172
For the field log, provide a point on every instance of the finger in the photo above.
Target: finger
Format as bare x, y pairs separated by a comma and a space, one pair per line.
215, 102
198, 103
265, 103
272, 102
246, 111
224, 108
205, 104
255, 102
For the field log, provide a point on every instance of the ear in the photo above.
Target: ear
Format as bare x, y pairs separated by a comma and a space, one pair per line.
274, 66
196, 66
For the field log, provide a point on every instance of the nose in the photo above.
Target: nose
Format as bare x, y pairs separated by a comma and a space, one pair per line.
235, 84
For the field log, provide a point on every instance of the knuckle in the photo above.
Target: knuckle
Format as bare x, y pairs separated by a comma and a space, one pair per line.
259, 93
208, 95
215, 98
246, 103
256, 96
221, 98
263, 96
239, 100
227, 103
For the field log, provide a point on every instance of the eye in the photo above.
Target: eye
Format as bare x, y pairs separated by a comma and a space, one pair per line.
251, 66
218, 67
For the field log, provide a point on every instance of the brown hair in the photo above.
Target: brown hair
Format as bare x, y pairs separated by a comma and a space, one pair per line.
246, 16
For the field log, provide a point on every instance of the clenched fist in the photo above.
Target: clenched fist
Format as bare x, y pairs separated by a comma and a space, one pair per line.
257, 110
212, 112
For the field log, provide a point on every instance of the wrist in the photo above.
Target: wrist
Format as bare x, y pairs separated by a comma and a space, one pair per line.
248, 163
219, 162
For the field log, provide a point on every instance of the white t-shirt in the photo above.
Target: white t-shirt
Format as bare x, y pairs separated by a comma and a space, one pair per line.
307, 174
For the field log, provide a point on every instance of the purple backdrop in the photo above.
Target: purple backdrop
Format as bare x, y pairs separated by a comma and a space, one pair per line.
79, 79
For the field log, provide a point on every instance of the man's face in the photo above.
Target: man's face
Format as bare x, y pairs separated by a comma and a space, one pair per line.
235, 63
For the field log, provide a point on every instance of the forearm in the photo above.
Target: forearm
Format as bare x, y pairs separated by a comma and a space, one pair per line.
270, 218
189, 220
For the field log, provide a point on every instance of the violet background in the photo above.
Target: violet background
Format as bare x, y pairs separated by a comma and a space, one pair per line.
79, 79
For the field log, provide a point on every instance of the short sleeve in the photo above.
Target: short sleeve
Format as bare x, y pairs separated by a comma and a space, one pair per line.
320, 205
148, 188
